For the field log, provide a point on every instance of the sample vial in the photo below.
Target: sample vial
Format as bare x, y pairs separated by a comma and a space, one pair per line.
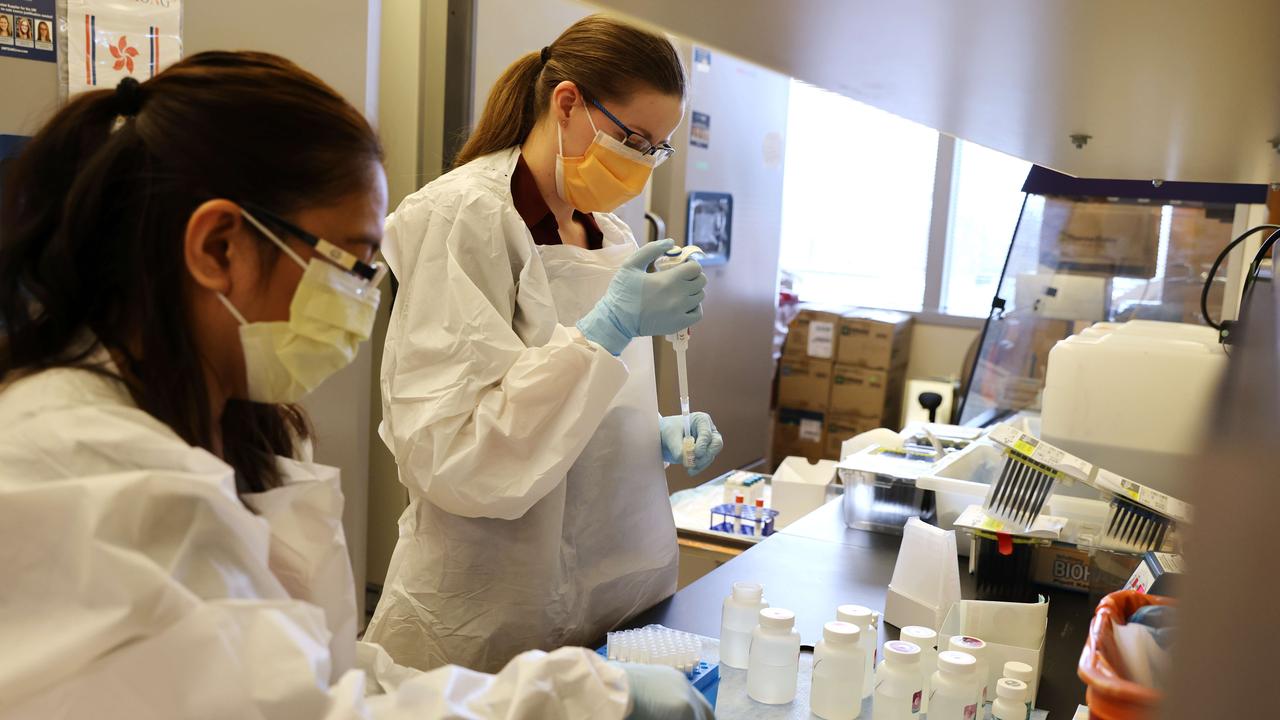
1027, 674
865, 619
775, 658
1010, 704
837, 673
954, 688
739, 504
927, 640
978, 649
759, 517
898, 691
740, 615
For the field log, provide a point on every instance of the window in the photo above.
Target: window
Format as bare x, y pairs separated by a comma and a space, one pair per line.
857, 200
857, 209
986, 198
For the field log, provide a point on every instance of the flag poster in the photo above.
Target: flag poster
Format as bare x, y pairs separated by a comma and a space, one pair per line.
27, 30
109, 40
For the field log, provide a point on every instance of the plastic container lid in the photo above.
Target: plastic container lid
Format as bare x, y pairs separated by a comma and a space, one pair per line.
900, 651
855, 614
1011, 689
840, 633
748, 592
919, 635
1019, 671
969, 644
957, 662
777, 618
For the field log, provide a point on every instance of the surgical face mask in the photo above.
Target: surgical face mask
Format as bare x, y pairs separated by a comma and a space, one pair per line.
332, 312
604, 177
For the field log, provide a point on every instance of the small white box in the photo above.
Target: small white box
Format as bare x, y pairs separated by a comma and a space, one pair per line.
1012, 631
799, 488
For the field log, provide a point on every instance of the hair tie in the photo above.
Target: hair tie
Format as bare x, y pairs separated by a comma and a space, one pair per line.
546, 54
128, 97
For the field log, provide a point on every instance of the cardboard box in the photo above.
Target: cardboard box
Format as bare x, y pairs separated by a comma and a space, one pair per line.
867, 393
804, 384
876, 339
1100, 237
1061, 567
798, 433
812, 334
843, 427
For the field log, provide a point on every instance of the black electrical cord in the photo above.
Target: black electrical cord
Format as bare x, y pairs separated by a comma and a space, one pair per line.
1255, 267
1213, 271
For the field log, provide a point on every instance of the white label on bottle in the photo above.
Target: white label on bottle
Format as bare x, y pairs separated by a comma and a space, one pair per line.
811, 430
915, 702
970, 712
822, 337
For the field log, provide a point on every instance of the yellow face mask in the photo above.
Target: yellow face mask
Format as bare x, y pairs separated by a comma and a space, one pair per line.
607, 175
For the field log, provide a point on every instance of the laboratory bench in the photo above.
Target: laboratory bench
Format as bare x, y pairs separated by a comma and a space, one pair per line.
818, 563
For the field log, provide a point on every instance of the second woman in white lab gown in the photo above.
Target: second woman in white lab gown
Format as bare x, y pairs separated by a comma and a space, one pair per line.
166, 549
518, 383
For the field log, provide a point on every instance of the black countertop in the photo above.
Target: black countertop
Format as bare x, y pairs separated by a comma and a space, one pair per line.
817, 563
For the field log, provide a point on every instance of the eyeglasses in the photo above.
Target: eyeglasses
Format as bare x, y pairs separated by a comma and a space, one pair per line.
634, 140
373, 272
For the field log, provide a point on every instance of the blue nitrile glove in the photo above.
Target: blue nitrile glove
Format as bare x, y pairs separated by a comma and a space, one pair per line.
640, 303
707, 441
663, 693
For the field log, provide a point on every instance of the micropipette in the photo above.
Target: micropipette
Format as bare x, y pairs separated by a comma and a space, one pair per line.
680, 343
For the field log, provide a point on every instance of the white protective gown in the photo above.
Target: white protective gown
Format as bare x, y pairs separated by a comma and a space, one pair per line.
135, 584
538, 512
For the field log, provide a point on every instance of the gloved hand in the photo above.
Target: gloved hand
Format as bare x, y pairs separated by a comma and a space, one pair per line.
707, 442
662, 693
640, 303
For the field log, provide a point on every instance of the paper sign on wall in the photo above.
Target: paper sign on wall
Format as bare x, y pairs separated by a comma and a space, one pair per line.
27, 30
109, 40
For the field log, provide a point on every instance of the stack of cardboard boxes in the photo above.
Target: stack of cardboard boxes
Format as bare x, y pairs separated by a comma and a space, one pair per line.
842, 373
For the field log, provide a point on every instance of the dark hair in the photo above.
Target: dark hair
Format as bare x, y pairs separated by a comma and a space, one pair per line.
605, 57
95, 208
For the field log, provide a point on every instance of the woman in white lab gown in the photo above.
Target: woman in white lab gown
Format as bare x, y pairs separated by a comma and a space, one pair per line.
518, 385
164, 551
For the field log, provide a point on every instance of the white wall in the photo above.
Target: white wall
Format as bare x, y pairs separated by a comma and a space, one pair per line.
339, 43
938, 351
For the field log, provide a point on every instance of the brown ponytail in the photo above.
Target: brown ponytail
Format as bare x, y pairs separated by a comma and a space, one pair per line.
95, 206
604, 57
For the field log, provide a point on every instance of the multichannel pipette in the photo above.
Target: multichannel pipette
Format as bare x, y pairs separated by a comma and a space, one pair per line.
680, 343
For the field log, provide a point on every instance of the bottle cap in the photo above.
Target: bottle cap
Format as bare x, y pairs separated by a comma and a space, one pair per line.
922, 636
1011, 689
739, 499
956, 662
840, 633
968, 644
901, 651
759, 502
777, 618
855, 614
748, 592
1019, 671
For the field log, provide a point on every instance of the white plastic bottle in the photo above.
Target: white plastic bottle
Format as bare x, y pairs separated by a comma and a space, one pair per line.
865, 619
898, 691
739, 617
954, 691
774, 661
837, 673
927, 640
1027, 674
1011, 700
978, 649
